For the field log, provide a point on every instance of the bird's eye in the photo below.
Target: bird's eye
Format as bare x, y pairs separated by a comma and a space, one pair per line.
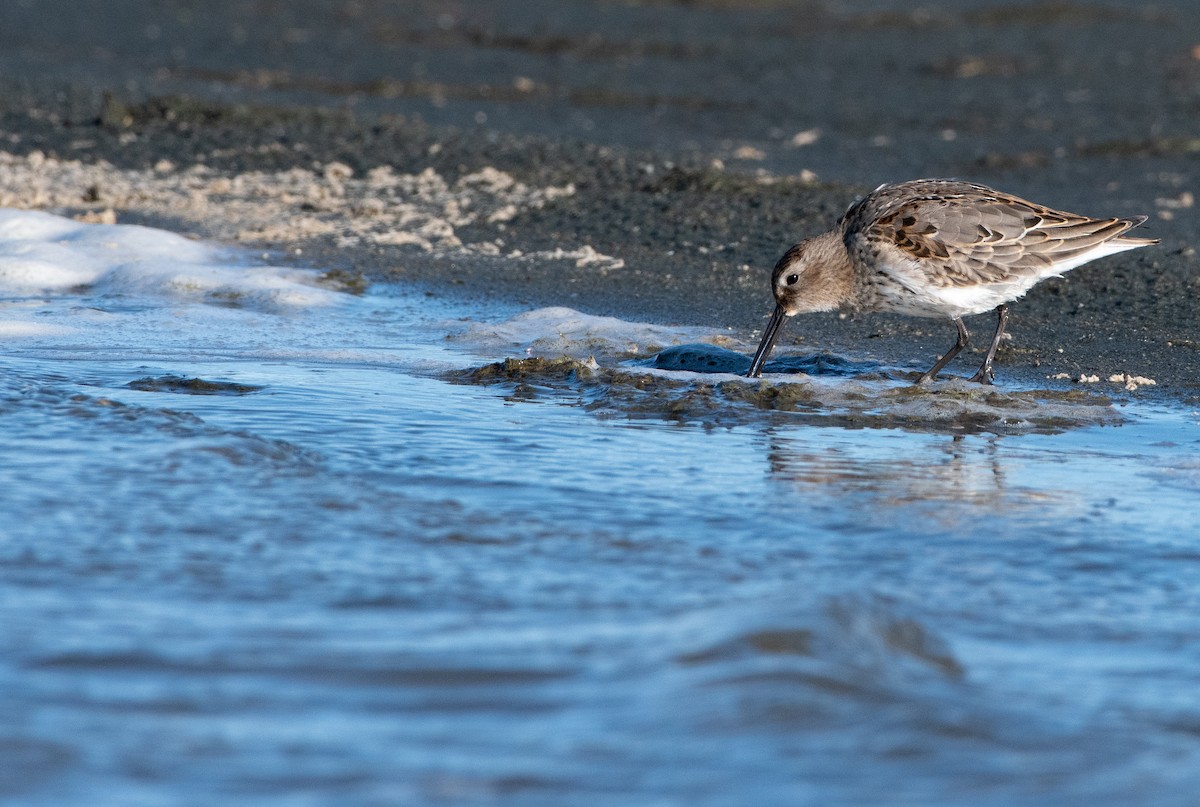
791, 279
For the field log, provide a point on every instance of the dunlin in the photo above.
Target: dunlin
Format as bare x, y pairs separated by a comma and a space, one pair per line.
937, 248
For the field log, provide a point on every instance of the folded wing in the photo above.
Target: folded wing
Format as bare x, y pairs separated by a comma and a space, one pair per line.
961, 234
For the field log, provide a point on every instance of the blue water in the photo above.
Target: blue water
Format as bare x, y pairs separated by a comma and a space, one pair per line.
365, 585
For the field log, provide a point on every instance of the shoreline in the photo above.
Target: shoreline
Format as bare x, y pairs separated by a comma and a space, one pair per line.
526, 243
665, 212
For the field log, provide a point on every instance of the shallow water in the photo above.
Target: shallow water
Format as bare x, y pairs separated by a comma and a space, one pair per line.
363, 584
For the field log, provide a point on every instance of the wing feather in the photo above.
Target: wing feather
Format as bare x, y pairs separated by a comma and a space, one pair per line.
962, 234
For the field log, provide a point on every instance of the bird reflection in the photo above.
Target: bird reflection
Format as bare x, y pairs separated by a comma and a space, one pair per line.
897, 469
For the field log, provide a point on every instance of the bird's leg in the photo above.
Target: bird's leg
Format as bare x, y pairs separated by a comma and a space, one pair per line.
985, 374
959, 344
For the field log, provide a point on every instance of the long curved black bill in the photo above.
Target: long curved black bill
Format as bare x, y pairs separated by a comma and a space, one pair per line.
768, 342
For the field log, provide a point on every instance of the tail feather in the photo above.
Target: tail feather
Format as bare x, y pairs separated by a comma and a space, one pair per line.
1130, 223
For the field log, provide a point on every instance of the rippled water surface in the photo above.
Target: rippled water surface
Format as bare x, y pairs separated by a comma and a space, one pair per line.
348, 581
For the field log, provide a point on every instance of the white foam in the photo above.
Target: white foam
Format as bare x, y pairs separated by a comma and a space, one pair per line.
116, 293
561, 331
41, 253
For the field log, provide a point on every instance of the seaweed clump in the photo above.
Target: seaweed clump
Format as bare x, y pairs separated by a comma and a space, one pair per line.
951, 406
190, 386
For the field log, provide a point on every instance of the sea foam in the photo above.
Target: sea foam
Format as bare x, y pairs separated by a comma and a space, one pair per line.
44, 254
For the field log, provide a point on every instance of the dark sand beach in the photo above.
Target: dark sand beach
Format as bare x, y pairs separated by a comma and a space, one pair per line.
701, 139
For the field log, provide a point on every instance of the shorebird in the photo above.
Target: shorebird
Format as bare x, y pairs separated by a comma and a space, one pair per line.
937, 248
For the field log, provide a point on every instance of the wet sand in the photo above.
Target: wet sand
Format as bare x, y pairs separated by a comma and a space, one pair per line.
698, 141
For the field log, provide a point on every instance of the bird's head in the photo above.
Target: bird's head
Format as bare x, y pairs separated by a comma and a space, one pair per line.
813, 275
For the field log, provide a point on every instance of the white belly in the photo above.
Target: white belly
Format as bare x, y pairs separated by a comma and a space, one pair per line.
908, 290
